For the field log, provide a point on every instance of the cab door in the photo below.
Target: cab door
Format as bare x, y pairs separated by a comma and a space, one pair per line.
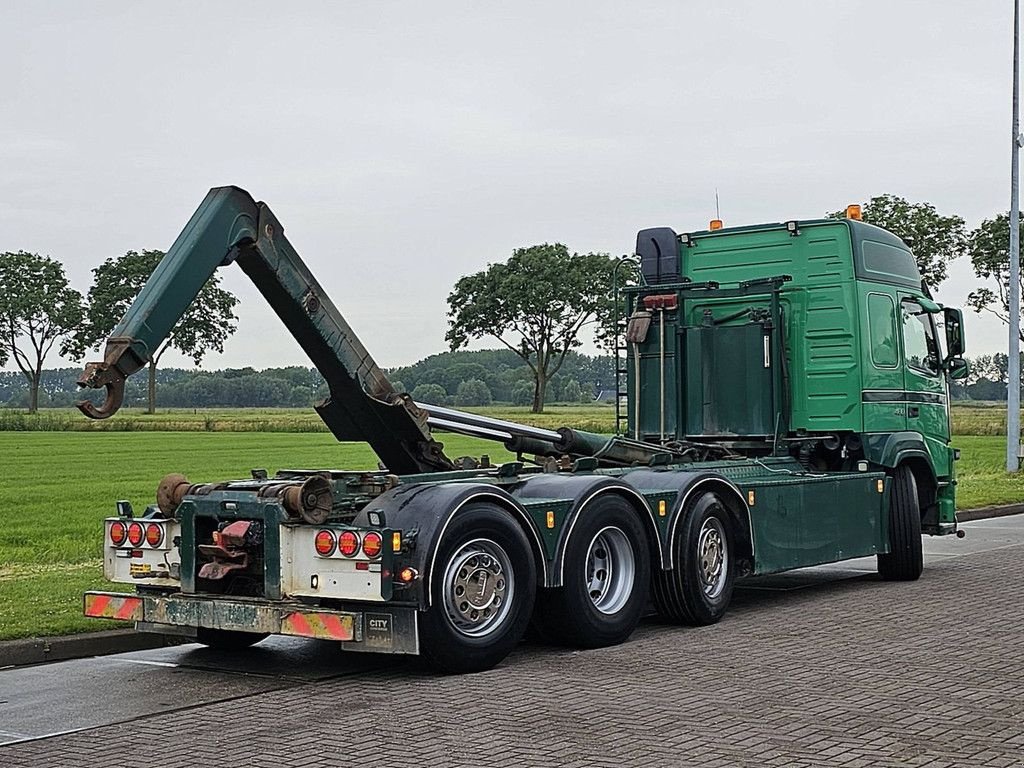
883, 378
924, 382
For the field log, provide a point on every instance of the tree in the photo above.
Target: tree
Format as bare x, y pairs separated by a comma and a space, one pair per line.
472, 392
522, 393
38, 308
431, 394
989, 248
542, 298
572, 392
934, 239
205, 326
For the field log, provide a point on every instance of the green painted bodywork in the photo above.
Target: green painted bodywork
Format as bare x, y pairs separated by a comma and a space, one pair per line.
770, 341
842, 374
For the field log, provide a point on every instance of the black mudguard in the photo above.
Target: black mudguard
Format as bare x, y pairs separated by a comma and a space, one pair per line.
683, 484
423, 511
577, 491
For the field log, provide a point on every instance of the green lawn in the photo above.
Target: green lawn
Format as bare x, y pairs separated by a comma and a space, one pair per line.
58, 486
982, 476
593, 418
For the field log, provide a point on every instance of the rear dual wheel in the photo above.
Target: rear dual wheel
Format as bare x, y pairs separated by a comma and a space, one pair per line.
606, 577
482, 591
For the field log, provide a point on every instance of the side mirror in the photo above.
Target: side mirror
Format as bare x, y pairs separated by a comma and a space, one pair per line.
957, 368
954, 321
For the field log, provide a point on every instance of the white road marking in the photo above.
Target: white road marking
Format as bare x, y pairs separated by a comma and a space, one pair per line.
149, 663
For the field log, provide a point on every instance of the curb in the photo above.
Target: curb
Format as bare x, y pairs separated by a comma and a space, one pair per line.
984, 513
40, 650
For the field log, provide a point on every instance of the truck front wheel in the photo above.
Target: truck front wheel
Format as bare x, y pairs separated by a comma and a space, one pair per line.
607, 571
905, 559
482, 591
699, 588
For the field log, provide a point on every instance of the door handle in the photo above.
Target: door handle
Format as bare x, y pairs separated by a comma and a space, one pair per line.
913, 411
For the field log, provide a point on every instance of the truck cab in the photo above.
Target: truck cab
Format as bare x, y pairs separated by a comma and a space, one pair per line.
815, 339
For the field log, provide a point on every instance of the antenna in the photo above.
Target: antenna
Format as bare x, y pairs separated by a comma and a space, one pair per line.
718, 208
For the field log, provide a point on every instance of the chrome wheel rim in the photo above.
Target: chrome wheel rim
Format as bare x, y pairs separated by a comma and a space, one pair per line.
478, 588
611, 570
712, 557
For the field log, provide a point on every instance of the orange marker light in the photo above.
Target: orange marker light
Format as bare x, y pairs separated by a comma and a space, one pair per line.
853, 212
396, 541
715, 224
550, 519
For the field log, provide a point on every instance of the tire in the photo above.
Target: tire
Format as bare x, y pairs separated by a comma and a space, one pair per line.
699, 589
606, 579
226, 639
483, 548
905, 559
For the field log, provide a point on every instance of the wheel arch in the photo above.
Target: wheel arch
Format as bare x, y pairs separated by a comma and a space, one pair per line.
582, 491
681, 485
424, 513
891, 450
735, 505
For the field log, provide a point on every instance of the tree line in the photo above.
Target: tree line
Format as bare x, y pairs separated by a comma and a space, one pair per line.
450, 378
540, 305
461, 379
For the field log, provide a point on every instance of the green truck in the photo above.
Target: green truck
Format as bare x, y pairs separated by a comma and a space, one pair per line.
784, 403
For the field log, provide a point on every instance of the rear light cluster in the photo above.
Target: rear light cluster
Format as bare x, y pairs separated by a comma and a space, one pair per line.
135, 533
348, 543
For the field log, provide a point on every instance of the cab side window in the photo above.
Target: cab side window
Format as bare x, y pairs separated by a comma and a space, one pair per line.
882, 331
920, 346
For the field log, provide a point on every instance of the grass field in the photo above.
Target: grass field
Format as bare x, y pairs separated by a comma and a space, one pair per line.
968, 419
593, 418
58, 485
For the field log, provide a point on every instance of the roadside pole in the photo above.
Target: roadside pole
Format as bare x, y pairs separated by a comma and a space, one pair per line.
1013, 367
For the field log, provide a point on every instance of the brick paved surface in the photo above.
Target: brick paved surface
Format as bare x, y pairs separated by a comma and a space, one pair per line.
852, 673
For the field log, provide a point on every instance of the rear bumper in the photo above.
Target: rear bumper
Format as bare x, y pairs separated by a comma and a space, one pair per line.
388, 630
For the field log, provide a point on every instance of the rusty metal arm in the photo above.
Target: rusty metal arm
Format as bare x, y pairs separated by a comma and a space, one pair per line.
230, 226
226, 219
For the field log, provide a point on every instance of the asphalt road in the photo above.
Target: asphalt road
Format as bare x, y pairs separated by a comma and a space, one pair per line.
824, 666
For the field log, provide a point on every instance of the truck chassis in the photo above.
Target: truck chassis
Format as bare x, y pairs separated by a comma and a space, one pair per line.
454, 559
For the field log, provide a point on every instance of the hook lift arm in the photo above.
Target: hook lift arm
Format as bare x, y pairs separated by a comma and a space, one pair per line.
229, 226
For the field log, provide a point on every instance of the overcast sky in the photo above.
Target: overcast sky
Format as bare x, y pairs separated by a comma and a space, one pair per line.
403, 145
